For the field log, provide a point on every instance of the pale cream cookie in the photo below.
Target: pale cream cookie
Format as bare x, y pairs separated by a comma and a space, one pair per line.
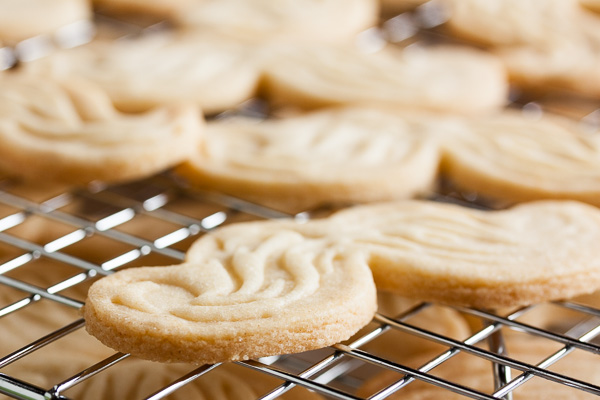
476, 373
246, 291
488, 259
209, 71
283, 20
516, 157
444, 79
23, 19
334, 156
71, 132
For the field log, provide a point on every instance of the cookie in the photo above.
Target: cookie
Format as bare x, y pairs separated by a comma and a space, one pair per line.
442, 79
20, 20
446, 253
513, 22
514, 158
69, 131
246, 291
476, 373
211, 72
333, 156
285, 20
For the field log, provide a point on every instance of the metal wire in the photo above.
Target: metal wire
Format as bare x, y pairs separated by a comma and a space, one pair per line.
102, 212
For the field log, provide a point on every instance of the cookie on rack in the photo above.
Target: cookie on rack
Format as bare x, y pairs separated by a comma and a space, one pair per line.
444, 79
24, 19
288, 21
327, 157
69, 131
153, 69
451, 254
475, 373
249, 290
515, 157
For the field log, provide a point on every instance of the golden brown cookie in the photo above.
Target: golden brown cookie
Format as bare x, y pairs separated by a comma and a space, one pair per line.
334, 156
249, 290
516, 157
442, 79
70, 131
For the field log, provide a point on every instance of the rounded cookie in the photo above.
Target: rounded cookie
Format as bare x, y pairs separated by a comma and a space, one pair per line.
23, 19
69, 131
446, 79
513, 157
284, 20
245, 291
334, 156
442, 252
209, 71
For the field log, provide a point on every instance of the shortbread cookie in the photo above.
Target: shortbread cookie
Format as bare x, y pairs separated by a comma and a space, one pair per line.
447, 79
23, 19
284, 20
71, 132
326, 157
488, 259
250, 290
511, 22
212, 72
515, 158
476, 373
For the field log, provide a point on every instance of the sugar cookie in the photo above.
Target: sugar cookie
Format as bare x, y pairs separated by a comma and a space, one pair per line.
449, 79
23, 19
248, 291
71, 132
139, 73
285, 20
514, 157
326, 157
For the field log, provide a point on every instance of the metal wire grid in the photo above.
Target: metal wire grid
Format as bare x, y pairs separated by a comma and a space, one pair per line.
335, 372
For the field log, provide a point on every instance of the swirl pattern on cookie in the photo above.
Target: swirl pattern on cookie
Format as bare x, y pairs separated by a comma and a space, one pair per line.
251, 290
516, 158
139, 73
285, 20
71, 132
330, 156
448, 79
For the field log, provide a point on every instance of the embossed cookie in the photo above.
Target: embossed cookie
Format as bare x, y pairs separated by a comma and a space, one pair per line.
247, 291
326, 157
212, 72
447, 79
514, 158
23, 19
71, 132
284, 20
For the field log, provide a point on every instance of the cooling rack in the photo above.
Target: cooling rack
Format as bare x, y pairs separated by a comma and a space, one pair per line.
55, 242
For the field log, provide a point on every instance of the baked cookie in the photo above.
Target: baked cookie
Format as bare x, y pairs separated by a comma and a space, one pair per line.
334, 156
530, 253
284, 20
155, 69
446, 79
516, 158
476, 373
23, 19
245, 291
70, 132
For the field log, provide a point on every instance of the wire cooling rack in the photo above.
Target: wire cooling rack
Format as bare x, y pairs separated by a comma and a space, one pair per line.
54, 243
